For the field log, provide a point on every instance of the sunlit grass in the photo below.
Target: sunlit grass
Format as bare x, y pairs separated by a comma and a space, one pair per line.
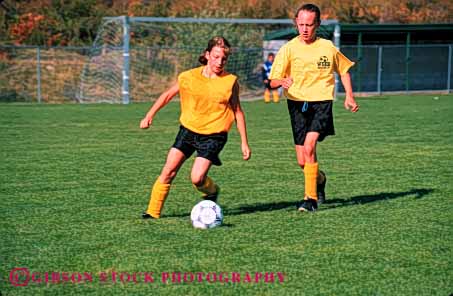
75, 178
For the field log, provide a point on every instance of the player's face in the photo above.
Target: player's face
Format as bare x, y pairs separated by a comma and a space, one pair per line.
217, 59
307, 25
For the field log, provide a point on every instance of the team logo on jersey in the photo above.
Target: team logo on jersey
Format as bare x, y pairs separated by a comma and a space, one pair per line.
323, 63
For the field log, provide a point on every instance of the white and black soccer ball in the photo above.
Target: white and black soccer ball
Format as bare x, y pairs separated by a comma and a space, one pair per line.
206, 214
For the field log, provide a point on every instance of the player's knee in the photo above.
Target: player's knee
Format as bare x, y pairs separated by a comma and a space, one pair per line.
301, 163
197, 179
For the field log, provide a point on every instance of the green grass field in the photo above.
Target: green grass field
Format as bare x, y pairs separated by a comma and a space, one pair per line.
75, 179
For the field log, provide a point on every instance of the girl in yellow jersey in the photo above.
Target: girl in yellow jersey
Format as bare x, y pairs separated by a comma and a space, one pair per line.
209, 105
305, 68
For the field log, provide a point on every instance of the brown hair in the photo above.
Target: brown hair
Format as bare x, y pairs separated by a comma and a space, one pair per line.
215, 41
311, 8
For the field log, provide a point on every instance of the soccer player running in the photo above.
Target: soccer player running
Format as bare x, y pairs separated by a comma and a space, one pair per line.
305, 68
265, 72
210, 104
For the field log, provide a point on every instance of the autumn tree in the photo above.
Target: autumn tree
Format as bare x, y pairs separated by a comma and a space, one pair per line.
65, 22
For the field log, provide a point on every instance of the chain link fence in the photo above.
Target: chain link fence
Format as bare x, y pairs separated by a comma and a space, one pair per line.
53, 75
398, 68
38, 74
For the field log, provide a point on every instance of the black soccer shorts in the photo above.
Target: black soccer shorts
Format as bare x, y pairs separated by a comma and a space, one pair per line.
314, 117
207, 146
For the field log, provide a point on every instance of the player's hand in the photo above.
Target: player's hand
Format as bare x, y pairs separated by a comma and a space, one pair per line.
351, 104
287, 82
246, 152
146, 122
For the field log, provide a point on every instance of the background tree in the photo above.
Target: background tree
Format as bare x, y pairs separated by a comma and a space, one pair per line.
66, 22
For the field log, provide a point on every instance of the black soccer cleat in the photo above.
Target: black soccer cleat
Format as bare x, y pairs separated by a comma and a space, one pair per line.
321, 189
308, 205
145, 215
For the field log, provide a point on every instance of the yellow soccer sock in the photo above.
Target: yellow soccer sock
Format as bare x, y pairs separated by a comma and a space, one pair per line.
158, 195
208, 187
275, 96
311, 174
267, 96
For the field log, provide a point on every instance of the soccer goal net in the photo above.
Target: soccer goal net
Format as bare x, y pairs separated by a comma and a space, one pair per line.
137, 58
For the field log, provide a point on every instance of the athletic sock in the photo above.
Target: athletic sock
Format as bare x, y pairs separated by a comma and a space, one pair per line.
208, 187
267, 96
158, 195
311, 174
275, 96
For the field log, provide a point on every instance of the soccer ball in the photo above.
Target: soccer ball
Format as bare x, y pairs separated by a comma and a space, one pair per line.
206, 214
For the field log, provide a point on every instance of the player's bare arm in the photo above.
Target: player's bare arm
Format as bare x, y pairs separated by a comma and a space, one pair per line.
349, 102
240, 122
163, 100
285, 82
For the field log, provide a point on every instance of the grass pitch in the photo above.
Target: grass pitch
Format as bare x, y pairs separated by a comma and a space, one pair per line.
75, 179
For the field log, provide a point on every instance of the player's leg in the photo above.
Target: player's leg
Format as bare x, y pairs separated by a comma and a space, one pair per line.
311, 170
300, 156
275, 96
161, 187
208, 150
181, 150
201, 181
325, 126
319, 127
267, 95
321, 179
311, 165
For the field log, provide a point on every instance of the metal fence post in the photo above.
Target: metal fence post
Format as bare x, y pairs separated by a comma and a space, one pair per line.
38, 73
449, 68
359, 62
379, 70
336, 37
408, 58
126, 64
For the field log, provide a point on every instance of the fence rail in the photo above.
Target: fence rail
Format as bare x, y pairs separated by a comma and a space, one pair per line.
53, 74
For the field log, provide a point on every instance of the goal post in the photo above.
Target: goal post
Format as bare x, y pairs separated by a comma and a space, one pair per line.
136, 58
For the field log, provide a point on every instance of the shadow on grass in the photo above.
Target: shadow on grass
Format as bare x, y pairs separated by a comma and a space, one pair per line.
329, 203
227, 225
248, 209
261, 207
364, 199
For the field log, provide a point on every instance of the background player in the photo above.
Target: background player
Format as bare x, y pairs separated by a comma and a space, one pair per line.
266, 71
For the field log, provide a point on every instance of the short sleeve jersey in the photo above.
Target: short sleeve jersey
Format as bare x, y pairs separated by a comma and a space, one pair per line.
312, 68
205, 102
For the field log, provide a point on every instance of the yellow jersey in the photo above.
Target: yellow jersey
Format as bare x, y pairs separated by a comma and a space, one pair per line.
205, 102
312, 67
